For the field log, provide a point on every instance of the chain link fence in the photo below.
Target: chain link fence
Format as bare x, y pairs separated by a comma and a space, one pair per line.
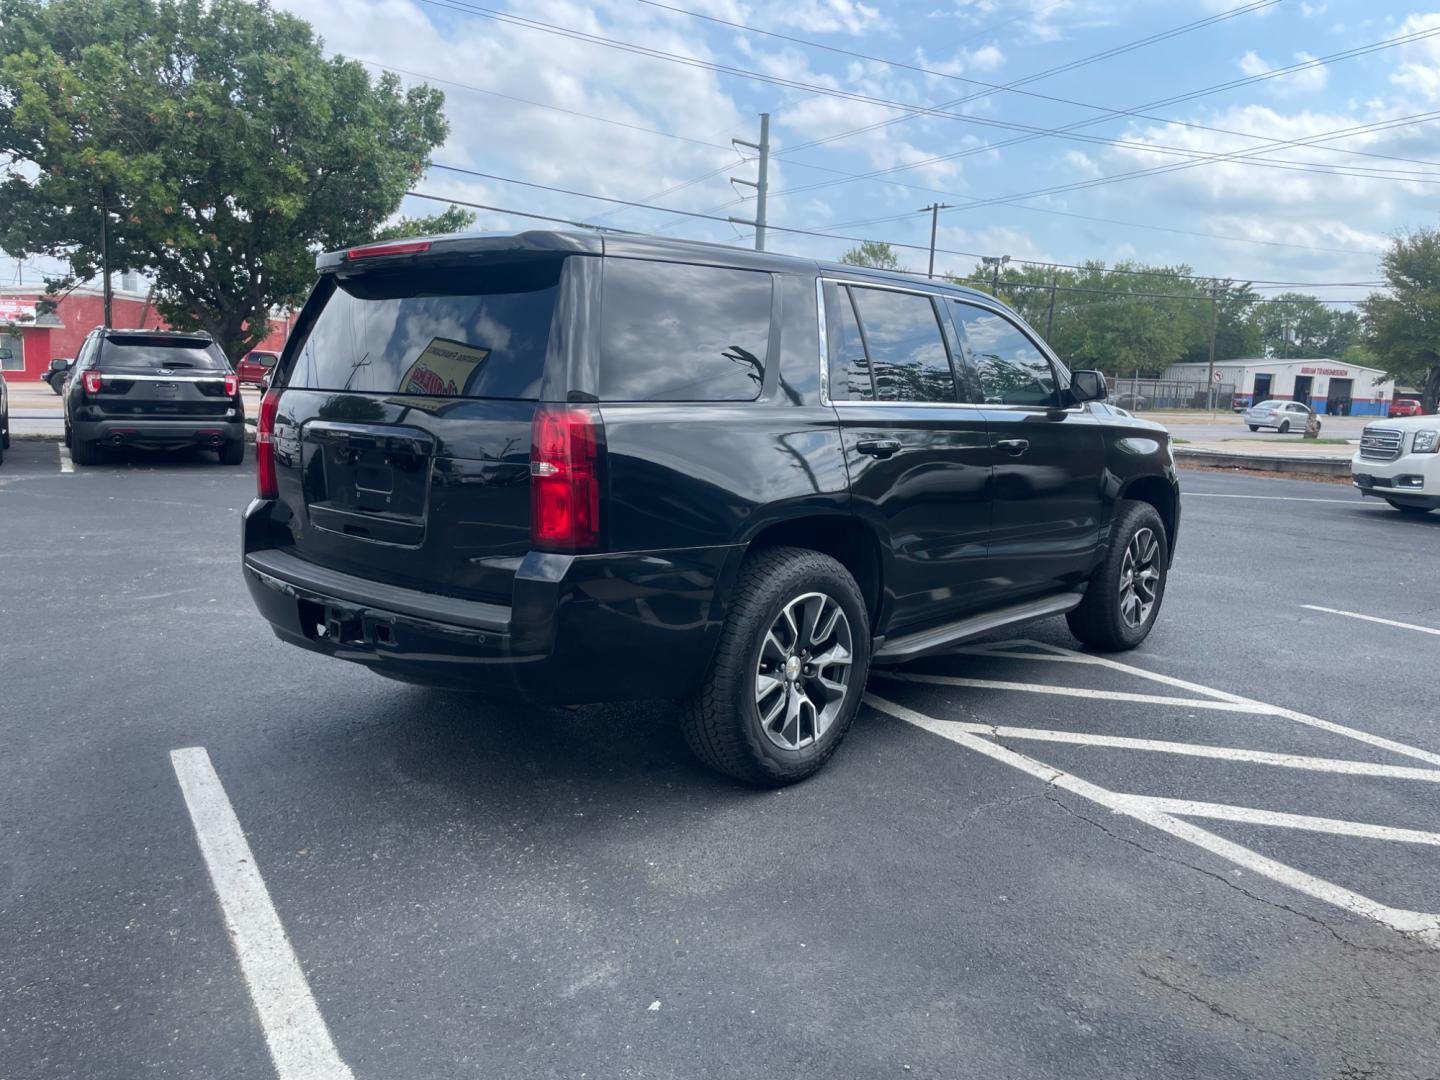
1131, 393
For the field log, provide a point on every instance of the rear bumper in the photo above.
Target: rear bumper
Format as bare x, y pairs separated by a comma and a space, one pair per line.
146, 431
579, 629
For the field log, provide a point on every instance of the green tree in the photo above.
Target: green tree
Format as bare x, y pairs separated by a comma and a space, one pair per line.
1304, 327
225, 148
874, 254
1402, 327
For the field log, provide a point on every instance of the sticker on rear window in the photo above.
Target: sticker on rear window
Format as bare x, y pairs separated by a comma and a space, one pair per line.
443, 369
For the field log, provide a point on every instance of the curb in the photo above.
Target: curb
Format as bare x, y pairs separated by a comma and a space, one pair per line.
1314, 466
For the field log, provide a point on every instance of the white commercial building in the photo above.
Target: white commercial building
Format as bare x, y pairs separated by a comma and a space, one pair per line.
1328, 386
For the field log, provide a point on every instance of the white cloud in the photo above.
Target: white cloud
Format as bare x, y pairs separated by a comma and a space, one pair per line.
964, 61
829, 17
1309, 80
1418, 73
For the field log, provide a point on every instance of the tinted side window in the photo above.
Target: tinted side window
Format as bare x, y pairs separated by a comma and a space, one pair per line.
674, 332
907, 351
849, 368
1012, 370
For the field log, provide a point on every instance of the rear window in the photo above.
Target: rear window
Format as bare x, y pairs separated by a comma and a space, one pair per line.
148, 354
675, 332
438, 332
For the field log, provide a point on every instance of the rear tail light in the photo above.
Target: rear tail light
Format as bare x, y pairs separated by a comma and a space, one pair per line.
399, 247
92, 382
232, 385
266, 484
565, 478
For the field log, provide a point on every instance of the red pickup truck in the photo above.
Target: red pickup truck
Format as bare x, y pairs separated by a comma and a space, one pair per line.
1404, 407
256, 367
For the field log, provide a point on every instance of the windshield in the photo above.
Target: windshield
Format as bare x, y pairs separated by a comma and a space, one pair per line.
148, 354
1268, 405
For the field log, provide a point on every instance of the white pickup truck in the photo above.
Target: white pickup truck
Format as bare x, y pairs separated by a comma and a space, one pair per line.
1399, 461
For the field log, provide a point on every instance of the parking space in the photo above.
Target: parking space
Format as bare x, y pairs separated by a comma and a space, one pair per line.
1216, 856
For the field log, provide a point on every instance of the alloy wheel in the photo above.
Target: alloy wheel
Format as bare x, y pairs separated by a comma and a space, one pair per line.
803, 671
1139, 578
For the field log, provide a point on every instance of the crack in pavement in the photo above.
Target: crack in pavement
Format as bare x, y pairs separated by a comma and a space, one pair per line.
1217, 1009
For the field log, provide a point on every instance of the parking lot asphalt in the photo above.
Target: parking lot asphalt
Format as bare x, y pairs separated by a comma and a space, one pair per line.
1211, 857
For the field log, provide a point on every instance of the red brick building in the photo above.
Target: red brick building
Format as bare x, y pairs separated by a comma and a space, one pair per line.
33, 339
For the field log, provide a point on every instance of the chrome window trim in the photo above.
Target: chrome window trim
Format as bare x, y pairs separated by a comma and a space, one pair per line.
1062, 372
824, 342
820, 283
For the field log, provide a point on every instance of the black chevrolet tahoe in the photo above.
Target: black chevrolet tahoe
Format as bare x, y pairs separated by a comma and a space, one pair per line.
157, 389
573, 468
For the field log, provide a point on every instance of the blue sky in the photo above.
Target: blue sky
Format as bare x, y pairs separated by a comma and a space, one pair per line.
1316, 213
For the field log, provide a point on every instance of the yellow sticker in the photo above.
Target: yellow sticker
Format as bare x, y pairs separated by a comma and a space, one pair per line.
443, 369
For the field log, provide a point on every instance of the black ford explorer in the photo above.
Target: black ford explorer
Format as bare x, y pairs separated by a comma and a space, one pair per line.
157, 389
575, 468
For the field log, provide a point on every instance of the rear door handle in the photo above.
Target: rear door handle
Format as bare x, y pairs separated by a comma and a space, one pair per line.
1014, 447
879, 448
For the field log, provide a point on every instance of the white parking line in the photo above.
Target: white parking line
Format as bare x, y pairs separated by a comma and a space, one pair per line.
66, 465
1080, 692
1203, 750
1252, 816
1424, 926
1372, 618
1063, 655
300, 1043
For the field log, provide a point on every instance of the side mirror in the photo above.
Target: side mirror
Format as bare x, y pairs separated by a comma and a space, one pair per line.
60, 364
1088, 386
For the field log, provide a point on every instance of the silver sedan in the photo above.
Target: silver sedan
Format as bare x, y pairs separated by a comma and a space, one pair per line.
1283, 416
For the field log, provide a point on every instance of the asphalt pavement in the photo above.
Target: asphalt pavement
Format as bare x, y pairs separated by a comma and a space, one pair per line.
1198, 859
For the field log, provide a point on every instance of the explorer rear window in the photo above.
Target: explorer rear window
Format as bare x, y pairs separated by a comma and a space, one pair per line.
445, 332
146, 354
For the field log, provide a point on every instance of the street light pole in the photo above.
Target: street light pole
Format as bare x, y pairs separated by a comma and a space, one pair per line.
1214, 318
105, 291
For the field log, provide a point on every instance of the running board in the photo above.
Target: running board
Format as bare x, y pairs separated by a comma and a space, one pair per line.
898, 650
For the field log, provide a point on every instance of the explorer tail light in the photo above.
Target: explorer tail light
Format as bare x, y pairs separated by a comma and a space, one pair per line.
267, 486
91, 380
232, 385
565, 478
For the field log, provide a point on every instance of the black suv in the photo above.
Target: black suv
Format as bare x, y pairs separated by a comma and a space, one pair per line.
577, 468
157, 389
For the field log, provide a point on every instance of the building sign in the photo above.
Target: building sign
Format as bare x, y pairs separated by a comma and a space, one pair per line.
16, 311
1342, 372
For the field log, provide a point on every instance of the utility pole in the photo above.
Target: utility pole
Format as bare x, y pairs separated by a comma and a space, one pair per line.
934, 209
105, 256
1214, 319
1050, 313
762, 184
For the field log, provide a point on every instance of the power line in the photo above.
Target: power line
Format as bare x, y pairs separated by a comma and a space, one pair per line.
1032, 131
1347, 54
1013, 88
817, 233
536, 104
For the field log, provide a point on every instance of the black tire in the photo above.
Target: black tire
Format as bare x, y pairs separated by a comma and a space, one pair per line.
722, 721
1410, 508
69, 436
1099, 621
232, 453
84, 452
1284, 427
1254, 427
